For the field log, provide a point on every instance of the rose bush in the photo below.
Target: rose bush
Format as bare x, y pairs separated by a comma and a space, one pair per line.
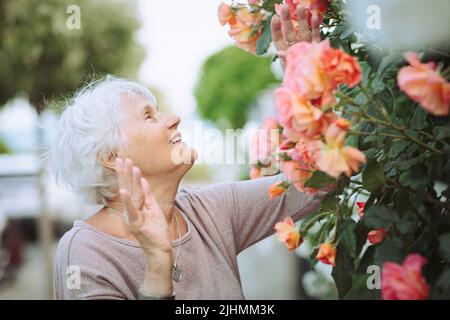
371, 126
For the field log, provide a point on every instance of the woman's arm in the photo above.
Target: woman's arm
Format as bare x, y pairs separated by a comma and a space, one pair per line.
254, 214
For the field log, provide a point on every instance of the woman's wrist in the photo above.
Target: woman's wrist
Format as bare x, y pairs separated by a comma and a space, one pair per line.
157, 281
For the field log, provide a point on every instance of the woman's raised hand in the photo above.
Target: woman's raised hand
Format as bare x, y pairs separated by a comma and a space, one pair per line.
284, 34
143, 215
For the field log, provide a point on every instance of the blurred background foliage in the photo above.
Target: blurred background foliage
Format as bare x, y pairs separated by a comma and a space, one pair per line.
40, 56
3, 147
229, 83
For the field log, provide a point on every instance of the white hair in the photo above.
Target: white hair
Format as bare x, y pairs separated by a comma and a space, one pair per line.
88, 129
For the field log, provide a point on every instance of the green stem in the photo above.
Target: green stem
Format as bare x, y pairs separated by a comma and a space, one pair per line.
433, 137
315, 219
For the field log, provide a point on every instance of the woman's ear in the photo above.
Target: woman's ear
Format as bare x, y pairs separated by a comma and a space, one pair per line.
108, 160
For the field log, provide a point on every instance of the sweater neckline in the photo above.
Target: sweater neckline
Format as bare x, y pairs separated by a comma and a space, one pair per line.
185, 237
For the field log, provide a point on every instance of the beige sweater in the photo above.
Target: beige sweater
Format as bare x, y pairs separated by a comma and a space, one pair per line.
223, 219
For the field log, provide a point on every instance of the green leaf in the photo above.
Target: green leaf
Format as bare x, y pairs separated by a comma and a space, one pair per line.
397, 148
366, 260
376, 217
343, 271
444, 246
389, 65
348, 237
359, 289
265, 39
442, 286
391, 249
386, 99
373, 177
319, 179
401, 201
416, 177
408, 223
419, 120
441, 132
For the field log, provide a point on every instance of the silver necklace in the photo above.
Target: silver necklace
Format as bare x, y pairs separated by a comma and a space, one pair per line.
176, 271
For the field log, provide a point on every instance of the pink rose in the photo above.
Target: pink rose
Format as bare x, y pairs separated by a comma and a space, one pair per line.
315, 70
298, 115
405, 282
225, 13
423, 84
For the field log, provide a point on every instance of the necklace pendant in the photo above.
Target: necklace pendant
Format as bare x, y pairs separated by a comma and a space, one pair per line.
176, 273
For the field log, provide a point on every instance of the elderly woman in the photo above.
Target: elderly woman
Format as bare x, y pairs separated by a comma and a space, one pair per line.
152, 240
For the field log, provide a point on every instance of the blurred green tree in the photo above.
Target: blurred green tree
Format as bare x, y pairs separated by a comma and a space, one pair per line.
3, 147
41, 56
229, 83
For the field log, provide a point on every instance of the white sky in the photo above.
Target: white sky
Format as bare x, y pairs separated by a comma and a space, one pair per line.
178, 36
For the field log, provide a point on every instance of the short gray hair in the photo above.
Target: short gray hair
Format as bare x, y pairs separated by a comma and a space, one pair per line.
89, 128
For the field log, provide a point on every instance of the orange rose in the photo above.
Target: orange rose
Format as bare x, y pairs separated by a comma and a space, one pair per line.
288, 234
315, 70
376, 236
423, 84
225, 13
276, 189
246, 28
327, 254
298, 172
405, 282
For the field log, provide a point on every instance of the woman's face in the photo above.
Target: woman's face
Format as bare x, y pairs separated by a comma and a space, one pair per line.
152, 140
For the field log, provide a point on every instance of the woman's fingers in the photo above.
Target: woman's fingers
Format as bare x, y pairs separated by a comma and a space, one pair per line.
315, 27
131, 213
287, 29
303, 29
277, 35
137, 195
120, 170
128, 175
150, 201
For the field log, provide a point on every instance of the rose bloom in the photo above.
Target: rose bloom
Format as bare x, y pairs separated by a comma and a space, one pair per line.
287, 233
404, 282
376, 236
246, 28
276, 189
315, 70
225, 13
327, 254
423, 84
298, 173
295, 112
305, 150
299, 117
334, 158
265, 142
317, 6
361, 206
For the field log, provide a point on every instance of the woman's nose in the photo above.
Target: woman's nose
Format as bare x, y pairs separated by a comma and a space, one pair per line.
172, 121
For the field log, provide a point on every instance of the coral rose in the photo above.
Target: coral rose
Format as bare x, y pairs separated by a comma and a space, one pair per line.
423, 84
288, 234
327, 254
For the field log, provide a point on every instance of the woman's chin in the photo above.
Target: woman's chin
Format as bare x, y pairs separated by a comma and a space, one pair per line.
182, 154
